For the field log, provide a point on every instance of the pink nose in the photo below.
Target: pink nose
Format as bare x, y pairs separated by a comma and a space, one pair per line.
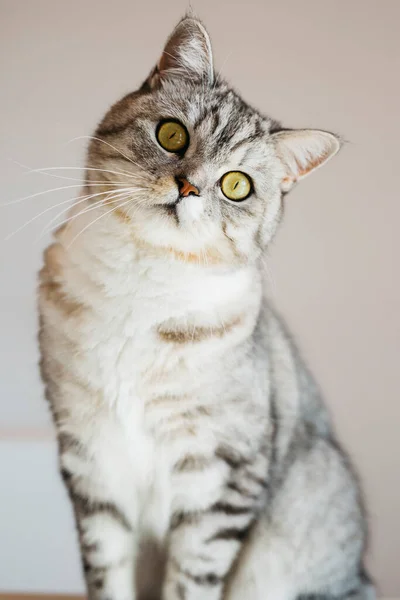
186, 188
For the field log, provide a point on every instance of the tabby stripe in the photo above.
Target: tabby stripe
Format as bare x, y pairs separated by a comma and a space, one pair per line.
230, 509
200, 120
259, 130
89, 508
101, 569
67, 441
208, 579
198, 334
231, 458
216, 119
190, 463
225, 136
261, 481
230, 533
224, 95
247, 140
94, 547
232, 485
98, 583
88, 568
180, 518
66, 475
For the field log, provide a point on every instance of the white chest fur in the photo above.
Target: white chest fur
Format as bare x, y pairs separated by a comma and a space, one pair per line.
150, 343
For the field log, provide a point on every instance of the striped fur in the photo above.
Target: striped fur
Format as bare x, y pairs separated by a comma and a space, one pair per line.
199, 458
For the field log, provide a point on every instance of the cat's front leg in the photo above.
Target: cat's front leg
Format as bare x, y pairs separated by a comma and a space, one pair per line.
204, 543
105, 519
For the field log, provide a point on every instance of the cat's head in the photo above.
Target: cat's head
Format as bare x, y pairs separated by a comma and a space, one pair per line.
192, 169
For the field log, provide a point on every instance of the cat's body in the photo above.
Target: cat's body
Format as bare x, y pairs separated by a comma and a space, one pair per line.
192, 439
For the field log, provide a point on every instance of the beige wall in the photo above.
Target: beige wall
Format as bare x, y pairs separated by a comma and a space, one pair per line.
329, 64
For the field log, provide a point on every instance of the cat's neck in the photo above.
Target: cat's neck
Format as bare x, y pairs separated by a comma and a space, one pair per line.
159, 284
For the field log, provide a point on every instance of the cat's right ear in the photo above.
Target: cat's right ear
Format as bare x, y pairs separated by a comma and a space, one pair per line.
187, 55
302, 151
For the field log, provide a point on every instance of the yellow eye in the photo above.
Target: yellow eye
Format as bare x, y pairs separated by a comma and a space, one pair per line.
236, 186
172, 136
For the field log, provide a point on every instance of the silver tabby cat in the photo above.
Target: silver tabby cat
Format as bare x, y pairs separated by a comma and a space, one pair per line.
199, 458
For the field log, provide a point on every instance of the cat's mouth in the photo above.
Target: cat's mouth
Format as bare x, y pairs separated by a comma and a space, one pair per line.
185, 210
172, 209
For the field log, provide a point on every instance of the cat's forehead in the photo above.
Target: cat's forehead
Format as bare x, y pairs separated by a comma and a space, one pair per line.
205, 105
216, 116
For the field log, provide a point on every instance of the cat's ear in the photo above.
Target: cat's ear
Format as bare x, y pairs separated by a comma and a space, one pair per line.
187, 55
302, 151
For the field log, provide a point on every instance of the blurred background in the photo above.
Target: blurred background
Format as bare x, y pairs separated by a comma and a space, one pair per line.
334, 265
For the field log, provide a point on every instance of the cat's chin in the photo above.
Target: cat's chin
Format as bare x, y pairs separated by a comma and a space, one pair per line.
189, 210
183, 211
186, 214
186, 234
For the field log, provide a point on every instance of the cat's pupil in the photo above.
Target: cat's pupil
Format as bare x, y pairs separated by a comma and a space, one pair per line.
235, 186
172, 135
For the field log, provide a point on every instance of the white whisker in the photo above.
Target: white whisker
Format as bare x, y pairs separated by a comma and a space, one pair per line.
63, 187
137, 204
86, 210
111, 194
45, 169
91, 137
37, 217
95, 220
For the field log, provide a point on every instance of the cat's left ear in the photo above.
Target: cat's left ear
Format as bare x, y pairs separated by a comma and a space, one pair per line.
302, 151
187, 55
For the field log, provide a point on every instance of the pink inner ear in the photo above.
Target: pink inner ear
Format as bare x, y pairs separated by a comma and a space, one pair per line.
303, 151
302, 171
311, 164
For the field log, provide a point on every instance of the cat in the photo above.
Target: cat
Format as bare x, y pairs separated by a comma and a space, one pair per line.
198, 455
